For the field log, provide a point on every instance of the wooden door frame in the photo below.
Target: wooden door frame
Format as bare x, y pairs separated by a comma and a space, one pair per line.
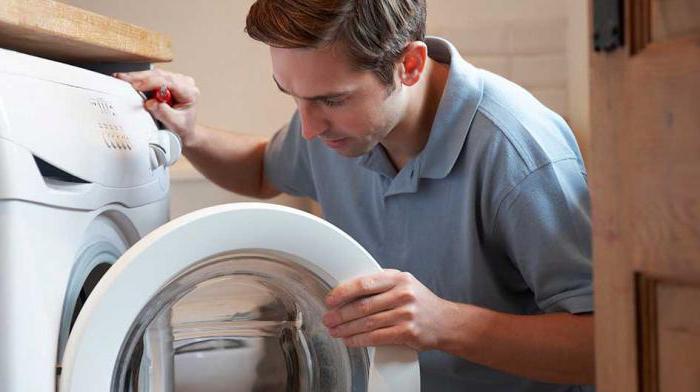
626, 279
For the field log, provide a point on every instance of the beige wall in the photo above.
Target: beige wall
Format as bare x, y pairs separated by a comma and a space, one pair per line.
232, 71
540, 44
578, 53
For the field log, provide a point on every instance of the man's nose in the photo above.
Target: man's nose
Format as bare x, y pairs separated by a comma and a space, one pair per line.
312, 121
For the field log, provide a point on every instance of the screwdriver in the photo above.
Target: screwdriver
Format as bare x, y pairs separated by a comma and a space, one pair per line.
163, 94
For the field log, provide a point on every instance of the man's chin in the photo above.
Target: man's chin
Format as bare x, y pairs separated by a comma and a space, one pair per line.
345, 148
349, 152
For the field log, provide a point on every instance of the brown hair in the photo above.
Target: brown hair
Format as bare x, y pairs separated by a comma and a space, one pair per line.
373, 32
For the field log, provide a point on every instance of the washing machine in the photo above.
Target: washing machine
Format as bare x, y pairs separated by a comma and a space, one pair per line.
99, 292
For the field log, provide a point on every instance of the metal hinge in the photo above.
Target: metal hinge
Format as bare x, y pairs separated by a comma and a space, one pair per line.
608, 17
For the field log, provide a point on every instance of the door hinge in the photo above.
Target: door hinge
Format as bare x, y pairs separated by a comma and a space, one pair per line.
608, 26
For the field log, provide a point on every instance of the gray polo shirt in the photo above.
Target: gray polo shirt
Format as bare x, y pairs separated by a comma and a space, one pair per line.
493, 212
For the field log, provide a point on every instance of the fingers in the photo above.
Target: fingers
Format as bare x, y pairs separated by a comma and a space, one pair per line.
145, 80
375, 321
368, 305
140, 77
182, 87
363, 286
181, 116
162, 112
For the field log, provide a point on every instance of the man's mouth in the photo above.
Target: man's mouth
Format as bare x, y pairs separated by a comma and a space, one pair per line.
336, 142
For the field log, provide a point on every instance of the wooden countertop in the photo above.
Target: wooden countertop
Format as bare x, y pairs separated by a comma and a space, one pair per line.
58, 31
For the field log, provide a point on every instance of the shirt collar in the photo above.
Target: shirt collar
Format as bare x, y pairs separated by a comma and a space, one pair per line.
453, 118
458, 105
378, 160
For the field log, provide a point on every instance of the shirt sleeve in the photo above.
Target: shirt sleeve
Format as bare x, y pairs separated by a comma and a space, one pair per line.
287, 162
544, 225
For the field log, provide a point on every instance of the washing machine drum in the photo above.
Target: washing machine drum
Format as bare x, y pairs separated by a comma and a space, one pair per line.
228, 298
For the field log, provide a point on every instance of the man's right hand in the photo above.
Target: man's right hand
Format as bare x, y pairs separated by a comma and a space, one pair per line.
181, 117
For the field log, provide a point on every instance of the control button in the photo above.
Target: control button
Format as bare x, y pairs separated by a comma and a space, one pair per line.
110, 143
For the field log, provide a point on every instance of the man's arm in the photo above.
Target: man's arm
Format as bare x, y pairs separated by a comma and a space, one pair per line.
232, 161
393, 307
556, 347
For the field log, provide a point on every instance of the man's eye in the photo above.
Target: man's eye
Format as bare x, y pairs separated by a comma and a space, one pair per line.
333, 102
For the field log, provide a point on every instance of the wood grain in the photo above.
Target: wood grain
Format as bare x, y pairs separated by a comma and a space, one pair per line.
62, 32
678, 337
645, 190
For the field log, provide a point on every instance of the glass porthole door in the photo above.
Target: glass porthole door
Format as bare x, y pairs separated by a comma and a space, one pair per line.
228, 298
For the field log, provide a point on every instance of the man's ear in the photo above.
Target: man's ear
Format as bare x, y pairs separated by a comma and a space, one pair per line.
412, 63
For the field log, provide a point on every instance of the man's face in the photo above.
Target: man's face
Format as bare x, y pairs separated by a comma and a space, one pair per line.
349, 110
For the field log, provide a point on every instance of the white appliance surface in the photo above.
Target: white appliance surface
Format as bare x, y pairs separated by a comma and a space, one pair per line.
84, 182
77, 188
94, 346
89, 125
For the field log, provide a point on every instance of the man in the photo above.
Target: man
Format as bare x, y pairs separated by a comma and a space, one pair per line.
469, 191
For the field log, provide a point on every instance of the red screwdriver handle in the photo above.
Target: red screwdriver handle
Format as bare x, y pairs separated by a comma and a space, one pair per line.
163, 94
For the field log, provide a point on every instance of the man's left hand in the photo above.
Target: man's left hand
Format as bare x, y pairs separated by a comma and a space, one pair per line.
387, 308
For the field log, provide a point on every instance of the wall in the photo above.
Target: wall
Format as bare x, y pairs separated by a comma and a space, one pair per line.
232, 71
540, 44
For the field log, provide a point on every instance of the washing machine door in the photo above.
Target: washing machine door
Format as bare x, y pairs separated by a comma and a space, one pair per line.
228, 298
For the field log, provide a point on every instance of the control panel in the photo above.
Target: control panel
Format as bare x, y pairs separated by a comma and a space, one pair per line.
90, 125
108, 125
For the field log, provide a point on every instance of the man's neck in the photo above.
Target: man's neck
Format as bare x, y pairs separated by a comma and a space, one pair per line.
411, 134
